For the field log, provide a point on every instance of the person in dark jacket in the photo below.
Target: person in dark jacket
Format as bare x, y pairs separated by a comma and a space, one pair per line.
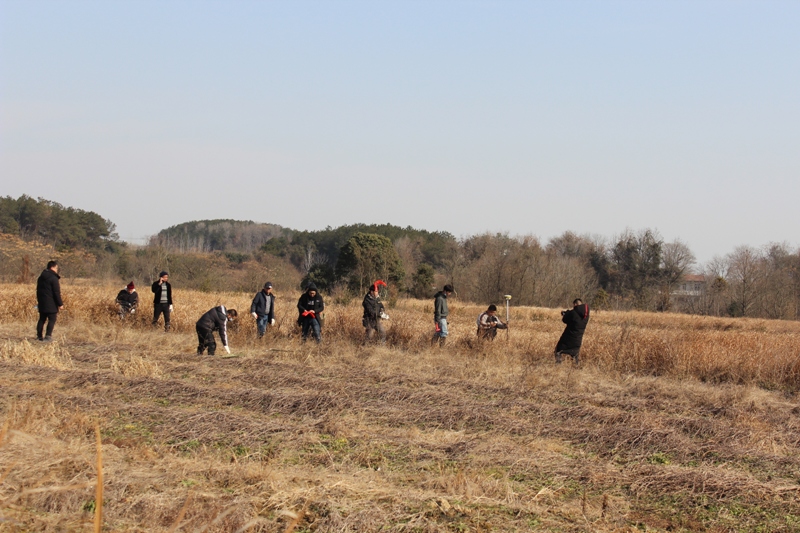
48, 299
440, 313
310, 307
374, 313
162, 299
263, 309
570, 341
215, 319
127, 300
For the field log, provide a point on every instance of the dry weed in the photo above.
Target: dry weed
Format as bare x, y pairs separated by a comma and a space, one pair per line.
24, 352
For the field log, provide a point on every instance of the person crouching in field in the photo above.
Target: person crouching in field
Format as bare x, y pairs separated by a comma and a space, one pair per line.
310, 307
488, 323
48, 300
215, 319
263, 309
374, 313
570, 341
440, 313
127, 300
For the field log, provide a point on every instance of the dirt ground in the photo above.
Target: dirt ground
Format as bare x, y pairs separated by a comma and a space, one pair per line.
346, 437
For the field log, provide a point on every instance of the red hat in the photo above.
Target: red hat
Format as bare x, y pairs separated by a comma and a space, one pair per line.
130, 286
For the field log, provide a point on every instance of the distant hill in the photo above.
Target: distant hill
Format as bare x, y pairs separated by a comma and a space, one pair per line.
222, 235
50, 223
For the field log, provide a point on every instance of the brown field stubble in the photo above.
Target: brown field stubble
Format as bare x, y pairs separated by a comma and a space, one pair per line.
346, 437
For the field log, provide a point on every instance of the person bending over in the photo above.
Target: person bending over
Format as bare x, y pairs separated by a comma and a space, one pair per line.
572, 338
215, 319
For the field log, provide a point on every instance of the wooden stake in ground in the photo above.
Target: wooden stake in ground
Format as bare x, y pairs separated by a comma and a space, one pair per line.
98, 496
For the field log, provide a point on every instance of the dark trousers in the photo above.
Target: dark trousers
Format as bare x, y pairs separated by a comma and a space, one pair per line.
311, 325
158, 309
371, 325
50, 318
205, 339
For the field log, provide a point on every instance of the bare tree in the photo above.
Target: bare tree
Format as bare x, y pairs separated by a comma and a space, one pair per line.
744, 273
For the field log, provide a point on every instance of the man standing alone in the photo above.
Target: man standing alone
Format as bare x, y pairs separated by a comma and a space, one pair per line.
48, 298
263, 309
572, 338
162, 299
440, 313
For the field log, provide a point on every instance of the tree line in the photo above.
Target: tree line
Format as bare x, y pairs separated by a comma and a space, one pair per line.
632, 270
51, 223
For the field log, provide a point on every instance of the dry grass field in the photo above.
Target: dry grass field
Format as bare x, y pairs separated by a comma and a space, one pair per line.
672, 423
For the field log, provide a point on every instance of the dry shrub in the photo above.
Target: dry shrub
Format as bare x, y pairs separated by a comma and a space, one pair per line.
24, 352
135, 365
762, 352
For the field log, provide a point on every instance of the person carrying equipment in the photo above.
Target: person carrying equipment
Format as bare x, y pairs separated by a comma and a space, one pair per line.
489, 323
572, 338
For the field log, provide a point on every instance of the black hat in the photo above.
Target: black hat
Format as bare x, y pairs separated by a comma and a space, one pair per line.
163, 273
268, 285
311, 287
448, 288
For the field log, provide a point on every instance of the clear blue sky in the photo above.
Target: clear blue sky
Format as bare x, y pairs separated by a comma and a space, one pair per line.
526, 117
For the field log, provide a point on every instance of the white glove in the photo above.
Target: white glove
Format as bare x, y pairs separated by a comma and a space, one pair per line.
384, 316
133, 311
272, 322
227, 350
254, 315
170, 308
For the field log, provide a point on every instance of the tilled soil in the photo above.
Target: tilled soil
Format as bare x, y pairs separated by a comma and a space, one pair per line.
341, 442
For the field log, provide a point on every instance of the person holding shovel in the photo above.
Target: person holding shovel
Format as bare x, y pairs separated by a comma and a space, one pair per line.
572, 338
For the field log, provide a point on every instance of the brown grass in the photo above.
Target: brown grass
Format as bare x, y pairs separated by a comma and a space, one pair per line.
671, 424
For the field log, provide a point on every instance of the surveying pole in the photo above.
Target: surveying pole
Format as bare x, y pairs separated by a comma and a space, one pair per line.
508, 318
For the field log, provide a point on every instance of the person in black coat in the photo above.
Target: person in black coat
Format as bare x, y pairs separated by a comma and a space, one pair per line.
263, 309
162, 299
570, 341
310, 307
127, 300
215, 319
48, 299
374, 313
